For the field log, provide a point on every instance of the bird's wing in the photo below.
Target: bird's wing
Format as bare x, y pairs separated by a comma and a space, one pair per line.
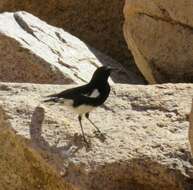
80, 95
85, 100
95, 97
92, 98
71, 93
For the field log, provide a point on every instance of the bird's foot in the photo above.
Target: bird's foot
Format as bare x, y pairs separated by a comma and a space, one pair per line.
87, 143
101, 136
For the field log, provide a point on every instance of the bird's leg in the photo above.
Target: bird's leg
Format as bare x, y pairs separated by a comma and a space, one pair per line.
100, 134
87, 117
80, 121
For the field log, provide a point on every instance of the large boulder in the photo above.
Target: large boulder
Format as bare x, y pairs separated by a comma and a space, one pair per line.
190, 132
21, 167
146, 129
97, 22
159, 35
35, 52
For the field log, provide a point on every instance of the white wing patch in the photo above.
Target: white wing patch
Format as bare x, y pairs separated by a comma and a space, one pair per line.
95, 93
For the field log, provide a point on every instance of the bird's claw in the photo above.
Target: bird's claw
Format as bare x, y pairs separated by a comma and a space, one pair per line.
100, 135
87, 144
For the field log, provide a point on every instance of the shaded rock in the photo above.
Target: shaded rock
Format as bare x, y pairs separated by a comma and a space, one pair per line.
97, 22
33, 51
159, 35
146, 129
21, 167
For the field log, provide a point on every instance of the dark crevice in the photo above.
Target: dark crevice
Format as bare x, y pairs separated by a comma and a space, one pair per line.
168, 20
24, 25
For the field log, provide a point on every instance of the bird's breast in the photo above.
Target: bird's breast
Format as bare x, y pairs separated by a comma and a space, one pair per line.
82, 109
66, 102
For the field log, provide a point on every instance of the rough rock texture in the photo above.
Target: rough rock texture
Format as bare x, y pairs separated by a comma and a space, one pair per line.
33, 51
21, 167
96, 22
190, 132
159, 34
146, 129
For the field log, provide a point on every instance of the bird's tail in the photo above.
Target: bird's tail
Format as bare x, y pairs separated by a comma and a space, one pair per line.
51, 98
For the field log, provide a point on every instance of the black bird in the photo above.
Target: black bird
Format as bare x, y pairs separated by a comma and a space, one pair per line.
84, 99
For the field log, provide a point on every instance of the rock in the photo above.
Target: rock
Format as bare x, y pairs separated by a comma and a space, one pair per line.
190, 132
146, 129
35, 52
21, 167
159, 35
99, 23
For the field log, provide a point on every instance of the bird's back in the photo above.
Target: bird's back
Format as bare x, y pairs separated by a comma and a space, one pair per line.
71, 93
83, 95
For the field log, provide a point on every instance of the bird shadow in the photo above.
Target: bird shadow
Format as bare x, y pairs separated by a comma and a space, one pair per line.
74, 144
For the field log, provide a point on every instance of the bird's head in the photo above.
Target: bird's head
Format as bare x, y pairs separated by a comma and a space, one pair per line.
102, 74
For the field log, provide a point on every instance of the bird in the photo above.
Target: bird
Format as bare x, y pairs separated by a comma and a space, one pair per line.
84, 99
